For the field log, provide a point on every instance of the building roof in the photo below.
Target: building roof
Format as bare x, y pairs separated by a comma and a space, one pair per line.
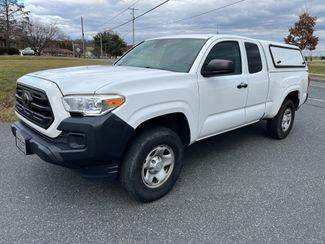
57, 50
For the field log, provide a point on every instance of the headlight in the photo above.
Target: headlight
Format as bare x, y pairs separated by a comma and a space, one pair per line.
92, 105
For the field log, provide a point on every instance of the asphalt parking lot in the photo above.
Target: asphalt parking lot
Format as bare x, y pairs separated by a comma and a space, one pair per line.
238, 187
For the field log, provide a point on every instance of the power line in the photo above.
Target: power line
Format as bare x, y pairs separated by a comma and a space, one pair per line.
150, 10
207, 12
190, 17
120, 13
198, 15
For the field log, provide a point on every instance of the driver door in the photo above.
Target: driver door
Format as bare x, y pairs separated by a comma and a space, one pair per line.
223, 97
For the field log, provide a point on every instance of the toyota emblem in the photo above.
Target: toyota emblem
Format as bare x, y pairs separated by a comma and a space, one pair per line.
26, 98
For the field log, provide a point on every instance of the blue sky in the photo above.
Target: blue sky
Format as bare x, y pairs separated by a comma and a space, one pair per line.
263, 19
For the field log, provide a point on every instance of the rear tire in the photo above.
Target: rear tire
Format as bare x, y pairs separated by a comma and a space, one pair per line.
152, 164
280, 126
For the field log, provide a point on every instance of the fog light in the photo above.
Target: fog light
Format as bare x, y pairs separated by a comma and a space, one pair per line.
77, 141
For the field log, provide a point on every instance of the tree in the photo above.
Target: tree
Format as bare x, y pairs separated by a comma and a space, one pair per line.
40, 35
12, 17
302, 33
65, 44
112, 44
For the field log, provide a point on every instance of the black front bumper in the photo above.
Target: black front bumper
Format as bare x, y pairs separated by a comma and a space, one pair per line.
92, 145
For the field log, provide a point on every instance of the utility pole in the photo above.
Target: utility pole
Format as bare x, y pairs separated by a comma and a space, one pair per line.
101, 46
83, 37
133, 24
73, 50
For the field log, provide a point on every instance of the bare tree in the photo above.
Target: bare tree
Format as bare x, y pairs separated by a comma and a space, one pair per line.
12, 16
40, 35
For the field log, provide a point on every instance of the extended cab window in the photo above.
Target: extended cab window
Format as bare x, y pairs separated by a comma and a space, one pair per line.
177, 54
253, 58
228, 50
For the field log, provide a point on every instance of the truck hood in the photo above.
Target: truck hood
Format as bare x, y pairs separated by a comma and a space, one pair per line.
89, 79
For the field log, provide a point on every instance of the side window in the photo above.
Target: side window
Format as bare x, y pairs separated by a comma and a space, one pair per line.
253, 58
287, 57
228, 50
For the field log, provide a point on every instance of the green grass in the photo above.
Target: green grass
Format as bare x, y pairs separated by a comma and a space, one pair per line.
13, 67
317, 67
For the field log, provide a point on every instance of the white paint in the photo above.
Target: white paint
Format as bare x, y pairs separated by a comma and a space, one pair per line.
211, 105
258, 86
55, 98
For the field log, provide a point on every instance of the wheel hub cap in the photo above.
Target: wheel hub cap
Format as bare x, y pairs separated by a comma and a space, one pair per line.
158, 166
286, 120
155, 165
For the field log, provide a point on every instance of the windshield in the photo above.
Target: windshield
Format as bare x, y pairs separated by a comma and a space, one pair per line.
167, 54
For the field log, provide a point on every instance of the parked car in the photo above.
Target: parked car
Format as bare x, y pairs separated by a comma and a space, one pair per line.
27, 51
132, 120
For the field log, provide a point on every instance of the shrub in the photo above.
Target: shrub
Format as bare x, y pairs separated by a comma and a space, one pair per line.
9, 51
13, 51
322, 58
3, 51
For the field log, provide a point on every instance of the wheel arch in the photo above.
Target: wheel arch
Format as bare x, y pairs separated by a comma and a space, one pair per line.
294, 96
294, 93
176, 121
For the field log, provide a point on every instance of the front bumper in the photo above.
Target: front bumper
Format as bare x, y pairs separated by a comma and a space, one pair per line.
92, 145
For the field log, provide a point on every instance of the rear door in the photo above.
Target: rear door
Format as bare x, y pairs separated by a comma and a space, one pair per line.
257, 79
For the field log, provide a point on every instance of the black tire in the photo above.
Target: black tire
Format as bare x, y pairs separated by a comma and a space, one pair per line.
131, 168
274, 126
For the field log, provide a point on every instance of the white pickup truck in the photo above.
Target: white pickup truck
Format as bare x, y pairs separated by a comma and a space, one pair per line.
133, 119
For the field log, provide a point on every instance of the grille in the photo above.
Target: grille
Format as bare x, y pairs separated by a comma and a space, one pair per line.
34, 105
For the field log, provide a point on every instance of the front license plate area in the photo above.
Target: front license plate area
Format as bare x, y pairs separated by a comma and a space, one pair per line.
21, 143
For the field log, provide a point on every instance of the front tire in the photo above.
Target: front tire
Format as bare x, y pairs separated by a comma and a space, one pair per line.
280, 126
152, 164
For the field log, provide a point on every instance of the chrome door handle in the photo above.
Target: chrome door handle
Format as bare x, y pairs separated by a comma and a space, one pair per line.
242, 85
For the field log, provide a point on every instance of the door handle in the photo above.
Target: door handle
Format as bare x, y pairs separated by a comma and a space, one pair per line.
242, 85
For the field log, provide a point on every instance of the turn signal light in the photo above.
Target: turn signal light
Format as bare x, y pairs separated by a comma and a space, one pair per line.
115, 102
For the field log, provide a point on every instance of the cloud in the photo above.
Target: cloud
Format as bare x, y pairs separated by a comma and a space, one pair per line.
263, 19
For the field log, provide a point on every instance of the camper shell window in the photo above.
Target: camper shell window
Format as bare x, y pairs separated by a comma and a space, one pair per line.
287, 57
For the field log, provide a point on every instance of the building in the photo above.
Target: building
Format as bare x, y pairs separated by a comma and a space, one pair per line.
55, 51
2, 41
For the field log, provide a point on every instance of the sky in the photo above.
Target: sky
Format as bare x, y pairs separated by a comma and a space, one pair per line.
261, 19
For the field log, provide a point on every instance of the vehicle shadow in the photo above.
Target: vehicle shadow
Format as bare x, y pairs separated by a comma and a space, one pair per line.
221, 144
69, 187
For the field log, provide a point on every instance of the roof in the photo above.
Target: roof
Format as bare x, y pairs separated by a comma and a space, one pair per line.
194, 36
217, 36
266, 43
202, 36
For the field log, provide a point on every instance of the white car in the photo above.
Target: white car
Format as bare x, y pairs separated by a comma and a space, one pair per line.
132, 120
27, 51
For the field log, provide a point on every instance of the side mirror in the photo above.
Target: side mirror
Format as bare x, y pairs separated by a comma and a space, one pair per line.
218, 67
